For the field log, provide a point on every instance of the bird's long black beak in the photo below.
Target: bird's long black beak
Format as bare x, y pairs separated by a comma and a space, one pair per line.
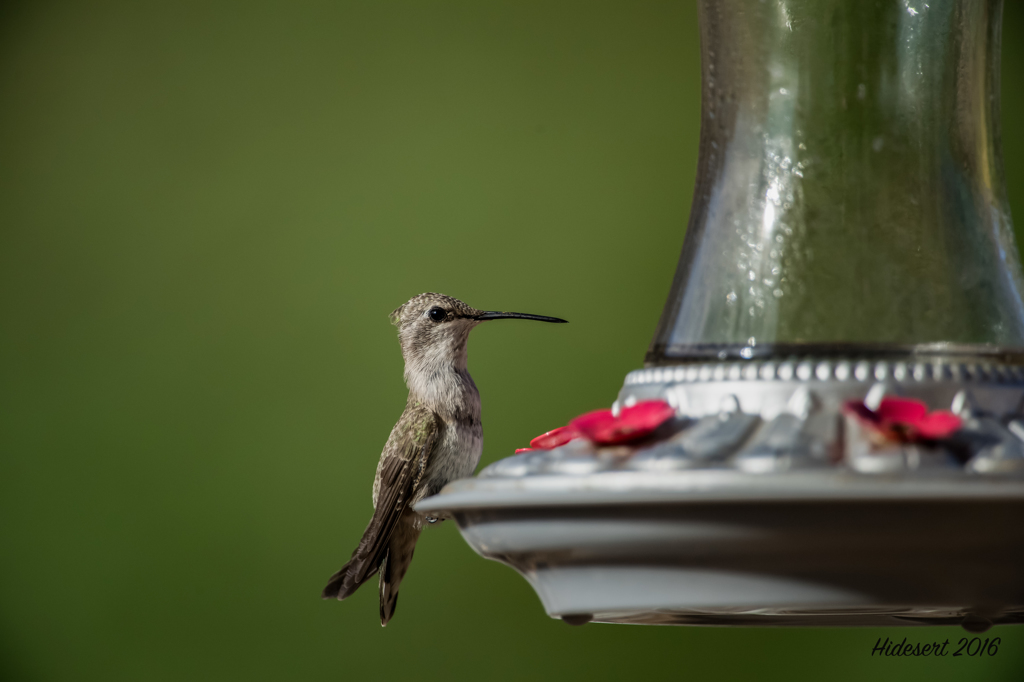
497, 315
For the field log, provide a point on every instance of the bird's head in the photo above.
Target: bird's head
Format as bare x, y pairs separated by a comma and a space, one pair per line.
433, 328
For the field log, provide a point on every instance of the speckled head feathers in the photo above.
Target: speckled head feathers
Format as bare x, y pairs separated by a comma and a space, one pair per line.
417, 306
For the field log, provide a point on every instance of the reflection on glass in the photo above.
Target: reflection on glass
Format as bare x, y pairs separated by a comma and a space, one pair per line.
850, 191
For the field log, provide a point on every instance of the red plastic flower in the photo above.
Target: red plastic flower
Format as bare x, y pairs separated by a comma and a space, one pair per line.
603, 428
905, 420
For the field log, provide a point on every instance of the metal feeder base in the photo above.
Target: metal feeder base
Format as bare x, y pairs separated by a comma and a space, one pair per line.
728, 548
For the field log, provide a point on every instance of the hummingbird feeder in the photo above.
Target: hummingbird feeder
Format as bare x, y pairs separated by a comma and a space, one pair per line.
829, 427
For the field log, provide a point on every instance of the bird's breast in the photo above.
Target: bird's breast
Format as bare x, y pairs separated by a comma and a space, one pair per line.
455, 456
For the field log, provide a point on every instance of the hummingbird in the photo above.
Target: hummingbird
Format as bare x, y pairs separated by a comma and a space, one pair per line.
438, 439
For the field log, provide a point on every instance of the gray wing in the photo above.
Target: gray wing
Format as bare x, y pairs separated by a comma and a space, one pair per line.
399, 474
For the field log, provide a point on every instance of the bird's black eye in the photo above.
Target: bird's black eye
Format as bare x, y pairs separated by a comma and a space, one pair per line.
438, 314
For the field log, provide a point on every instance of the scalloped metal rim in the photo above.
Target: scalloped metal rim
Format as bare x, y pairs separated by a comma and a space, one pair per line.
826, 370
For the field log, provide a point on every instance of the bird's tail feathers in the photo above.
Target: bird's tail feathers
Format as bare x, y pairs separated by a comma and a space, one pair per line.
360, 568
346, 581
396, 562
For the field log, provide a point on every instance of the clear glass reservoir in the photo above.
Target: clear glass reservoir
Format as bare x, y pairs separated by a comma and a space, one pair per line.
850, 190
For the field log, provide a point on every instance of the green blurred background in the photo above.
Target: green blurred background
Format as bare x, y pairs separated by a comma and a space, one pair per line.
208, 209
